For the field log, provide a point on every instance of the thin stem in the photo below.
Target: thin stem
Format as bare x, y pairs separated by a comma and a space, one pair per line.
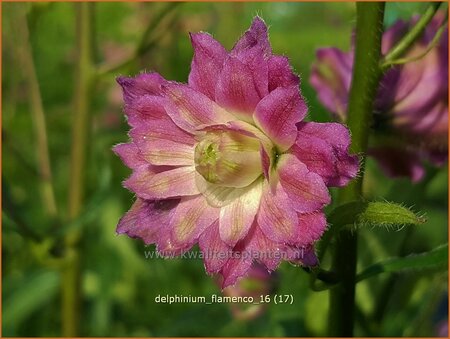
406, 42
365, 80
20, 26
433, 43
146, 42
80, 128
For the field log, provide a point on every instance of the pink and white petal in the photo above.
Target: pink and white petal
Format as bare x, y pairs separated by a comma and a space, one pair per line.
166, 152
281, 73
276, 216
216, 195
278, 113
209, 56
192, 216
145, 219
311, 227
190, 109
306, 190
235, 268
215, 251
243, 128
164, 129
269, 251
256, 36
237, 217
236, 89
145, 110
140, 85
167, 247
129, 154
176, 182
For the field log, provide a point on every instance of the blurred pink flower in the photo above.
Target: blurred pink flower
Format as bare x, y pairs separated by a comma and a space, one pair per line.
411, 108
226, 161
257, 284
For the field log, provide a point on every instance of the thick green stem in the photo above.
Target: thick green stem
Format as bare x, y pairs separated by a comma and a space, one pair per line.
20, 26
84, 77
365, 80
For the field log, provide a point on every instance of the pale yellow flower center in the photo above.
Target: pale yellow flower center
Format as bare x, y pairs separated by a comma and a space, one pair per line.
228, 158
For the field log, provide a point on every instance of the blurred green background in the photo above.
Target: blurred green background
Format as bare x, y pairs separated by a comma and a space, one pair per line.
117, 284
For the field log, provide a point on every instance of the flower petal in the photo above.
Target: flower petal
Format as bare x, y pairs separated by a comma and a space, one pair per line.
311, 226
256, 36
145, 109
163, 143
209, 56
257, 62
167, 153
277, 114
190, 109
304, 256
280, 73
192, 216
214, 249
269, 251
129, 154
306, 190
235, 268
140, 85
145, 219
216, 195
163, 129
171, 183
327, 157
237, 217
331, 77
255, 246
236, 89
397, 162
334, 133
276, 216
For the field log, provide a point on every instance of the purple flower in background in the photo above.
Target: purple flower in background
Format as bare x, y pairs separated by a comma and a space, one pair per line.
411, 108
225, 161
258, 284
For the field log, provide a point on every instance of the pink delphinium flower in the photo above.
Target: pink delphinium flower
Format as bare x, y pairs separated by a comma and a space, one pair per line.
225, 161
411, 108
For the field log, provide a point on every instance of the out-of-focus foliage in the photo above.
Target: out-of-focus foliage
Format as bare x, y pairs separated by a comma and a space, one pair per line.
119, 284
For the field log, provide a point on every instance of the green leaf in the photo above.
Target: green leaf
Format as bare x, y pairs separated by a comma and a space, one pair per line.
436, 258
32, 292
374, 214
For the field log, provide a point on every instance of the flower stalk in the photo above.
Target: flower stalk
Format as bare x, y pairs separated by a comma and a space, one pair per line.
365, 80
84, 77
37, 112
406, 42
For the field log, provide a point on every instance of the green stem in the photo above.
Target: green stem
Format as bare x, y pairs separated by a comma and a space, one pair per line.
365, 80
406, 42
84, 77
433, 43
37, 111
146, 41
